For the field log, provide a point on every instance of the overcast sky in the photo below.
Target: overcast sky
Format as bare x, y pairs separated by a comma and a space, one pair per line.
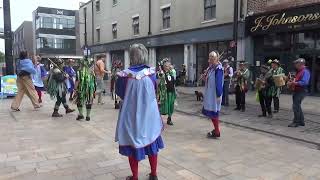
21, 10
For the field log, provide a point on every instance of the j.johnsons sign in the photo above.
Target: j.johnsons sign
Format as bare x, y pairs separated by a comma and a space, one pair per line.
288, 20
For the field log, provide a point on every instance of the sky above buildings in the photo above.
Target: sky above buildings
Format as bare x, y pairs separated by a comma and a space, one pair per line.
21, 10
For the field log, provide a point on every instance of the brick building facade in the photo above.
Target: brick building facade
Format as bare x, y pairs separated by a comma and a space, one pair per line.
261, 6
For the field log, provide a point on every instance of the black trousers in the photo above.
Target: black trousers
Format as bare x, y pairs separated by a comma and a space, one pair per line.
225, 95
240, 98
265, 103
61, 100
276, 103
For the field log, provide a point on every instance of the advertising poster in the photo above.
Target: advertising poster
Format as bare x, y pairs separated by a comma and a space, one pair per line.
9, 85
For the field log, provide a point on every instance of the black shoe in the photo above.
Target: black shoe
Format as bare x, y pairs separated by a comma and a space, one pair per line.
275, 111
129, 178
79, 118
262, 115
243, 110
293, 125
213, 135
68, 110
87, 118
56, 114
237, 109
169, 121
151, 177
301, 124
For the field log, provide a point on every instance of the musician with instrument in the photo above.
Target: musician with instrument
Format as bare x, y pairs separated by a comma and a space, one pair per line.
263, 85
276, 70
299, 86
242, 79
57, 87
228, 74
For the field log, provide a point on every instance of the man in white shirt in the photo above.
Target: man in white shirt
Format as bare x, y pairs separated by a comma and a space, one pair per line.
228, 73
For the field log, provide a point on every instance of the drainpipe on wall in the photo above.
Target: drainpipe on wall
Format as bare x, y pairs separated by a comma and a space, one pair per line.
92, 21
235, 29
149, 33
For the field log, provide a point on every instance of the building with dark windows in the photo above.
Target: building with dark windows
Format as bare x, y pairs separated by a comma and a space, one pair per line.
56, 34
23, 39
285, 30
184, 30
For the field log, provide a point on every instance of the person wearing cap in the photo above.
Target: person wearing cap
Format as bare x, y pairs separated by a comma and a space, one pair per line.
57, 88
264, 92
276, 70
228, 73
242, 78
213, 93
299, 86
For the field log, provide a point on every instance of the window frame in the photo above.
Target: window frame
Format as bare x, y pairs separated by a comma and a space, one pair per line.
97, 5
211, 7
114, 31
114, 3
166, 18
136, 25
98, 34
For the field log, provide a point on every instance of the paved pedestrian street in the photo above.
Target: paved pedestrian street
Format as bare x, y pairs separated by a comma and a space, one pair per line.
34, 146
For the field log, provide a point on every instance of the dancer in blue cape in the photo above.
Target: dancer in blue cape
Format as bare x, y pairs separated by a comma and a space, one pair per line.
139, 124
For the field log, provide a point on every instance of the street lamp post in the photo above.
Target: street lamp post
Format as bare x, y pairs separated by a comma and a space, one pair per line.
235, 28
8, 37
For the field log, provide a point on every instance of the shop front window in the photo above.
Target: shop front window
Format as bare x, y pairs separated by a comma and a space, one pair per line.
304, 40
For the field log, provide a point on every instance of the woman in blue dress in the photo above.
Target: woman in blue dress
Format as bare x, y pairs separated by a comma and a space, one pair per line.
139, 124
213, 92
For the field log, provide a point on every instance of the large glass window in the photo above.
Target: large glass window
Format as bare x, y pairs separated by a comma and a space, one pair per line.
47, 22
55, 23
166, 18
304, 40
209, 9
57, 43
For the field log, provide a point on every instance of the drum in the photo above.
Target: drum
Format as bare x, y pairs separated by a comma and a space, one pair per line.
279, 80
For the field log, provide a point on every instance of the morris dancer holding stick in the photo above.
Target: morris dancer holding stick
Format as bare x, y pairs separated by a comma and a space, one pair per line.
57, 87
213, 92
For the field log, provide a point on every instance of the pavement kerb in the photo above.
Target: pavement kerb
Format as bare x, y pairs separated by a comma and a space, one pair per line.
257, 129
249, 103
